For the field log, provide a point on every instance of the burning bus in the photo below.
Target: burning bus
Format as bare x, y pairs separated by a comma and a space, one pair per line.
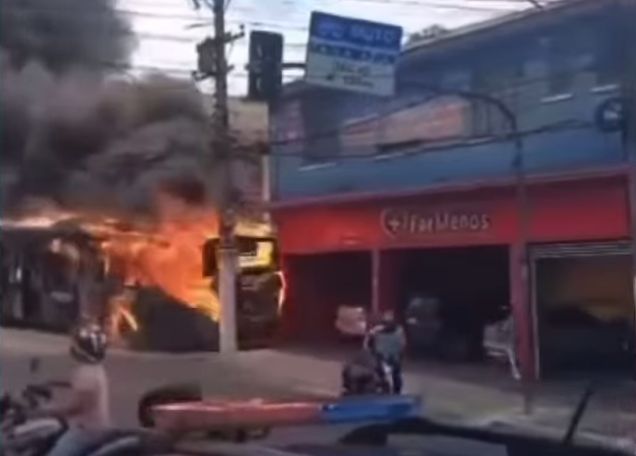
153, 286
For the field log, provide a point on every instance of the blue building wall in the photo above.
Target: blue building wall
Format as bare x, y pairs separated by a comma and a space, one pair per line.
553, 75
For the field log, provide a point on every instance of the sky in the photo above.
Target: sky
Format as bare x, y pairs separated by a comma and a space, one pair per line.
168, 30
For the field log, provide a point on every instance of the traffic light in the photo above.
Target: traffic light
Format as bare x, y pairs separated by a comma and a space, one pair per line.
265, 65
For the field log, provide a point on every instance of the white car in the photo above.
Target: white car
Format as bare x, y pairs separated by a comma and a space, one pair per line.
352, 321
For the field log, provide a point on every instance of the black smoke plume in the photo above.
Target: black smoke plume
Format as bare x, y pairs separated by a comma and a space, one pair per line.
76, 131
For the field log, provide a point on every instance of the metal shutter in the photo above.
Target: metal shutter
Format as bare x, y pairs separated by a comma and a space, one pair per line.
580, 250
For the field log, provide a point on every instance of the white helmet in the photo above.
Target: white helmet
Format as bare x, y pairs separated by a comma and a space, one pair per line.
88, 343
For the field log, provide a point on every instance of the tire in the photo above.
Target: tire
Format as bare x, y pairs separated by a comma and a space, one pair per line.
169, 394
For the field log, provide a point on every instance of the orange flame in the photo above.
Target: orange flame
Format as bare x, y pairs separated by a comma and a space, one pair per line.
121, 314
167, 255
165, 252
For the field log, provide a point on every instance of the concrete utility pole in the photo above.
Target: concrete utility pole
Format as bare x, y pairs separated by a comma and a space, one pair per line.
227, 276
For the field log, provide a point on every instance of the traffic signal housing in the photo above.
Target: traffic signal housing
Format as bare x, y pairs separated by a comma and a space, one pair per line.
265, 67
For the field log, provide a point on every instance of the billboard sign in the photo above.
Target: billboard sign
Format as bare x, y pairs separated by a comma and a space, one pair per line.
414, 222
352, 54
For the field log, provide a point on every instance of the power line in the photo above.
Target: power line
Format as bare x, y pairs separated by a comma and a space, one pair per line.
435, 5
335, 132
55, 9
465, 5
444, 91
95, 15
161, 36
458, 142
155, 35
198, 21
126, 67
166, 16
340, 132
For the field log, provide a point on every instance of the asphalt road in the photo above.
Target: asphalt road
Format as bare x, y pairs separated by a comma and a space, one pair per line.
133, 374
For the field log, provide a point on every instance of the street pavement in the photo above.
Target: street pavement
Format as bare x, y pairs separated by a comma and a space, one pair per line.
476, 395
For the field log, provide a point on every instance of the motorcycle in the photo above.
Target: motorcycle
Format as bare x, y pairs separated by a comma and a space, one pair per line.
366, 374
24, 436
382, 366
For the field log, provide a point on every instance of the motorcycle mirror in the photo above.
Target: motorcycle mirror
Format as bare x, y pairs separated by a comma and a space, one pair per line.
34, 365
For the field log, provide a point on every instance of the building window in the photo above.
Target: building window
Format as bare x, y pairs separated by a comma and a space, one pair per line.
569, 53
499, 79
607, 62
559, 56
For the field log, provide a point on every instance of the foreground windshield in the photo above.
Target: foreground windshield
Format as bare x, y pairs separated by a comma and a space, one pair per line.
273, 223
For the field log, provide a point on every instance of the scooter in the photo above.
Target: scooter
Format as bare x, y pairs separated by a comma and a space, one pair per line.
361, 381
373, 376
384, 368
24, 436
21, 436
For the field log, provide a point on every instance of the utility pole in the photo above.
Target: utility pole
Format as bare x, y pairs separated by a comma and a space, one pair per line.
227, 275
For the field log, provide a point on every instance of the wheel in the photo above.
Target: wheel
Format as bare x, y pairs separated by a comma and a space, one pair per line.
169, 394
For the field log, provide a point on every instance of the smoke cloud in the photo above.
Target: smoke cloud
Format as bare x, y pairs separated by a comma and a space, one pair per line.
74, 134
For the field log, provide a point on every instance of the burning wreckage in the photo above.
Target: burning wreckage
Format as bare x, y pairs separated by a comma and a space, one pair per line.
153, 290
108, 188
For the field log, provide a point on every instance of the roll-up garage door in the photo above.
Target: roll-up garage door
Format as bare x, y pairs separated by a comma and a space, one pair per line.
580, 250
582, 305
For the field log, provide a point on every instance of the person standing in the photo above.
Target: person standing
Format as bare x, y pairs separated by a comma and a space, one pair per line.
387, 341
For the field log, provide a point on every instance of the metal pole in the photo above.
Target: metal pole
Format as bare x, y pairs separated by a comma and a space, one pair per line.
523, 208
227, 249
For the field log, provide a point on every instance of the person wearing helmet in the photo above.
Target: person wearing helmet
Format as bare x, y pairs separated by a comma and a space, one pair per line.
87, 408
387, 342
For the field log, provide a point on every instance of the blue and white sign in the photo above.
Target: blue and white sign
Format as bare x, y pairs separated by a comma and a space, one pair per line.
352, 54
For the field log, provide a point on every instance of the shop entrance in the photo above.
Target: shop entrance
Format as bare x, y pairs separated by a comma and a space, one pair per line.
468, 289
584, 309
318, 286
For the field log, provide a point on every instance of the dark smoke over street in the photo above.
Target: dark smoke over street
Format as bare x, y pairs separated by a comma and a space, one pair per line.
79, 137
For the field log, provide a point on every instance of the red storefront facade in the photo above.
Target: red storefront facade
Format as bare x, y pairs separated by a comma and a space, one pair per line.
580, 209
